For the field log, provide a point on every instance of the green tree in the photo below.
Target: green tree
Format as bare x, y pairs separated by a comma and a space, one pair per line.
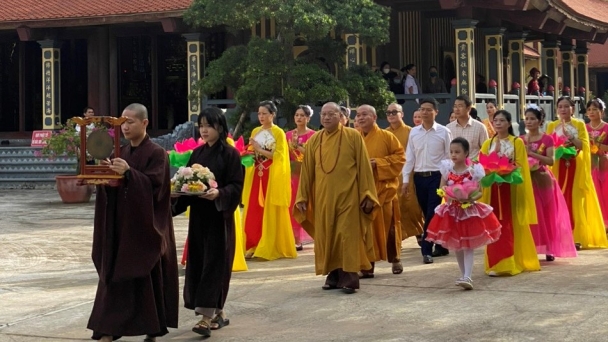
266, 68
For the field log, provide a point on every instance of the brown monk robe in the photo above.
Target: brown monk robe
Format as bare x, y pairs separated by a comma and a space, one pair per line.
211, 228
412, 220
133, 241
335, 201
387, 158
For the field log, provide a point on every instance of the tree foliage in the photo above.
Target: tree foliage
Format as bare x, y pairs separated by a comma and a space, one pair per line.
266, 68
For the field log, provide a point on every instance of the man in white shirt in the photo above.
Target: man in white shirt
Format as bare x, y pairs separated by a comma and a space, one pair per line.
467, 127
428, 145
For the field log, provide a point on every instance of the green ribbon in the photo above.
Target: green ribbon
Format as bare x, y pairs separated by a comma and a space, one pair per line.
563, 152
514, 178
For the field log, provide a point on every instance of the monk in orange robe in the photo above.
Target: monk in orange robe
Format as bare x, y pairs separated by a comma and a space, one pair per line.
387, 157
335, 201
412, 220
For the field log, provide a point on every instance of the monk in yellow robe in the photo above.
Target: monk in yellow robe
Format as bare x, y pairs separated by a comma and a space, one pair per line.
412, 220
335, 201
387, 158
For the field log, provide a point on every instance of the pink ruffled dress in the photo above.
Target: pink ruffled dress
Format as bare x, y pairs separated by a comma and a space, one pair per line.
455, 227
553, 233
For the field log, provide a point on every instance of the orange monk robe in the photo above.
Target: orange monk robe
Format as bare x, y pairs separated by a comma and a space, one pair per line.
385, 148
412, 220
335, 178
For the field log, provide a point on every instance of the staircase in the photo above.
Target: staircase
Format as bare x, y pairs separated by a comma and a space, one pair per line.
21, 168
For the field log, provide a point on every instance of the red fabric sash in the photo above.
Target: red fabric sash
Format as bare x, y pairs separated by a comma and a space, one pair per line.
566, 183
255, 209
501, 202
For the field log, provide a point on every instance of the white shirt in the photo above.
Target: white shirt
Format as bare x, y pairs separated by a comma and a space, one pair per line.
426, 149
410, 82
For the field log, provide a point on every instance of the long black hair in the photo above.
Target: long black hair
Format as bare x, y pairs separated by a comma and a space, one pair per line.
509, 119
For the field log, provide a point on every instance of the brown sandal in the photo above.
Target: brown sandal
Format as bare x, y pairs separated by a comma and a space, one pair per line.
218, 322
202, 328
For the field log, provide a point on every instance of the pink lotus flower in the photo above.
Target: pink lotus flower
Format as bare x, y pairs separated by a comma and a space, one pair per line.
186, 145
184, 188
534, 164
558, 140
495, 163
462, 192
213, 184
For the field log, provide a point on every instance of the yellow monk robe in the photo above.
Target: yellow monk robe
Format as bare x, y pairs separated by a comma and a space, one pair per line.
277, 239
384, 147
412, 220
589, 228
523, 214
335, 178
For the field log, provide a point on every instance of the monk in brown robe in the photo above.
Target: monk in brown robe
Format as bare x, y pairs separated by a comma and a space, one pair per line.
335, 201
133, 241
387, 158
412, 220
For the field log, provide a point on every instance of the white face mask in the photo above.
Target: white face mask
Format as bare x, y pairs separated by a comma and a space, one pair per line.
386, 70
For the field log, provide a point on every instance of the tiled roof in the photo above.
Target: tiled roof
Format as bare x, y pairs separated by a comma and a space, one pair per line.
597, 56
591, 9
35, 10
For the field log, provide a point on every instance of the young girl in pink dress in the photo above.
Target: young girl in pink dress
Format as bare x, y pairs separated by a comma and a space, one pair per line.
297, 139
458, 225
553, 233
598, 138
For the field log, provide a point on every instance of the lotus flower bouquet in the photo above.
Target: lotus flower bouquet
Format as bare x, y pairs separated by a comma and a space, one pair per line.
562, 150
499, 169
245, 151
194, 180
183, 151
534, 164
465, 193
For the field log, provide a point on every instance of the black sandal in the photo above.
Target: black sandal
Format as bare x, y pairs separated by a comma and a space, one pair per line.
218, 322
202, 328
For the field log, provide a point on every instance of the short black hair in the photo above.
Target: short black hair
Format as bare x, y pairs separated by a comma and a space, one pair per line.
462, 141
465, 98
409, 67
86, 109
432, 101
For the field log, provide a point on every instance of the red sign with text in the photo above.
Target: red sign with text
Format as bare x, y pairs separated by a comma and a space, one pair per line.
39, 138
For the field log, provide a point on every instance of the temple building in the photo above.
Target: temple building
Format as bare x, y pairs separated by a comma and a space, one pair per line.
58, 57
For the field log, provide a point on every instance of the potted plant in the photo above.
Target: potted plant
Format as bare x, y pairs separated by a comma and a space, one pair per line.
65, 142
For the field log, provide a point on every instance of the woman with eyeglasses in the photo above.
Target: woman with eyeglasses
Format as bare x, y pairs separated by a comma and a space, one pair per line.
574, 178
266, 197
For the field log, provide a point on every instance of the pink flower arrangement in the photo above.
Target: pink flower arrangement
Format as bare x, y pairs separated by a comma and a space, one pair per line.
494, 163
195, 180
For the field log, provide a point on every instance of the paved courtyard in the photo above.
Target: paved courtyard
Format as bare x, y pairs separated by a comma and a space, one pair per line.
47, 287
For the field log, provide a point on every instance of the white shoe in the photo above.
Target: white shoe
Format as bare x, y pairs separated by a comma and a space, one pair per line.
458, 281
466, 283
493, 274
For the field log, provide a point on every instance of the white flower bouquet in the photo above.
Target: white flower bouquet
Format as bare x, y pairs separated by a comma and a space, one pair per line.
193, 180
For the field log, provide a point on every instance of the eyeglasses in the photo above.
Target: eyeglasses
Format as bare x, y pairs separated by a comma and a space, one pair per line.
392, 112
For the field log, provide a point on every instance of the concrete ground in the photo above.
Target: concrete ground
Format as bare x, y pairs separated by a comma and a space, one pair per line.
47, 287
